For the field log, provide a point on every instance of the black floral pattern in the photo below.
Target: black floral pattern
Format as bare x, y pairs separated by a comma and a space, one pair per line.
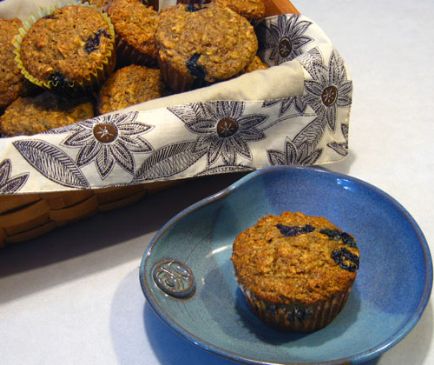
52, 162
223, 128
208, 138
8, 184
329, 89
297, 102
108, 140
341, 148
302, 155
312, 61
285, 39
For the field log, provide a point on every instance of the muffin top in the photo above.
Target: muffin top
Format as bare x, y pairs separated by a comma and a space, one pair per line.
213, 43
11, 80
68, 45
136, 24
251, 9
128, 86
294, 257
31, 115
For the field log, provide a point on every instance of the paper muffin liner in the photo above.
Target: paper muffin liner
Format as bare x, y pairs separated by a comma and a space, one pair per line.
88, 85
128, 55
174, 79
296, 316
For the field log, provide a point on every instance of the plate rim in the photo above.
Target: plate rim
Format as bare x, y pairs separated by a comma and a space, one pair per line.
367, 355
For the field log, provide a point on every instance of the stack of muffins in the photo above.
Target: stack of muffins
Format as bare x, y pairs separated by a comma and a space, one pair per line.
87, 58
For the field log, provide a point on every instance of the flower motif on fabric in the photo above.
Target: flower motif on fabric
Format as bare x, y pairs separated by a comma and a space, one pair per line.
109, 140
285, 104
312, 61
294, 155
223, 128
328, 90
285, 38
8, 184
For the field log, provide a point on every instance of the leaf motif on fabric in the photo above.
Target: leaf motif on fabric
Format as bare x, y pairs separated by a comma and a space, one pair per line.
340, 148
276, 158
8, 184
188, 113
168, 161
223, 169
51, 162
303, 155
311, 134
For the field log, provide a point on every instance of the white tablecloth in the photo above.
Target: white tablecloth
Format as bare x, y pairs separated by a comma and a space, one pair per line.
72, 297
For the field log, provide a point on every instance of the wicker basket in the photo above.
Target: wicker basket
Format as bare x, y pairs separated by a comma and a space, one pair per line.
26, 216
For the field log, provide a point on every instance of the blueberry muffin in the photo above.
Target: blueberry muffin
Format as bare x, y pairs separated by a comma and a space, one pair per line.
202, 45
135, 26
251, 9
71, 48
296, 271
256, 64
11, 80
128, 86
32, 115
100, 4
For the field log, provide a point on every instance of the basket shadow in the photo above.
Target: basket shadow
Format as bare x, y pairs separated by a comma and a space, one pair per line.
99, 242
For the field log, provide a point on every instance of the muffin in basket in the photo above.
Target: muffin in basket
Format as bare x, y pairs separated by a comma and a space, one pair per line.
31, 115
256, 64
11, 80
70, 49
202, 45
135, 25
251, 9
296, 271
128, 86
101, 4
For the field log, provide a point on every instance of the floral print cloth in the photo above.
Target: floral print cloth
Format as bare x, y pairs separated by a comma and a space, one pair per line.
199, 138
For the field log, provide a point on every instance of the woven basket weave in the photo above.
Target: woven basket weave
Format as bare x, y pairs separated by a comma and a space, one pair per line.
24, 217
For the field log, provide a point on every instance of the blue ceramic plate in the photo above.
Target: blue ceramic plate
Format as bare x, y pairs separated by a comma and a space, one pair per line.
391, 291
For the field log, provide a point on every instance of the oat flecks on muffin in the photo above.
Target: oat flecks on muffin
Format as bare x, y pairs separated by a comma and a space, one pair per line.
251, 9
295, 263
68, 47
128, 86
135, 24
32, 115
213, 42
11, 80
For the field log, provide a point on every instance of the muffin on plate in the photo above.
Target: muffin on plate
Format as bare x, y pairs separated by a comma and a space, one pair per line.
128, 86
135, 26
296, 271
201, 45
251, 9
11, 80
68, 49
32, 115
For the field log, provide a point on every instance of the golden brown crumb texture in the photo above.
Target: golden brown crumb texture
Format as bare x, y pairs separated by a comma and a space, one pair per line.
11, 80
128, 86
282, 269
